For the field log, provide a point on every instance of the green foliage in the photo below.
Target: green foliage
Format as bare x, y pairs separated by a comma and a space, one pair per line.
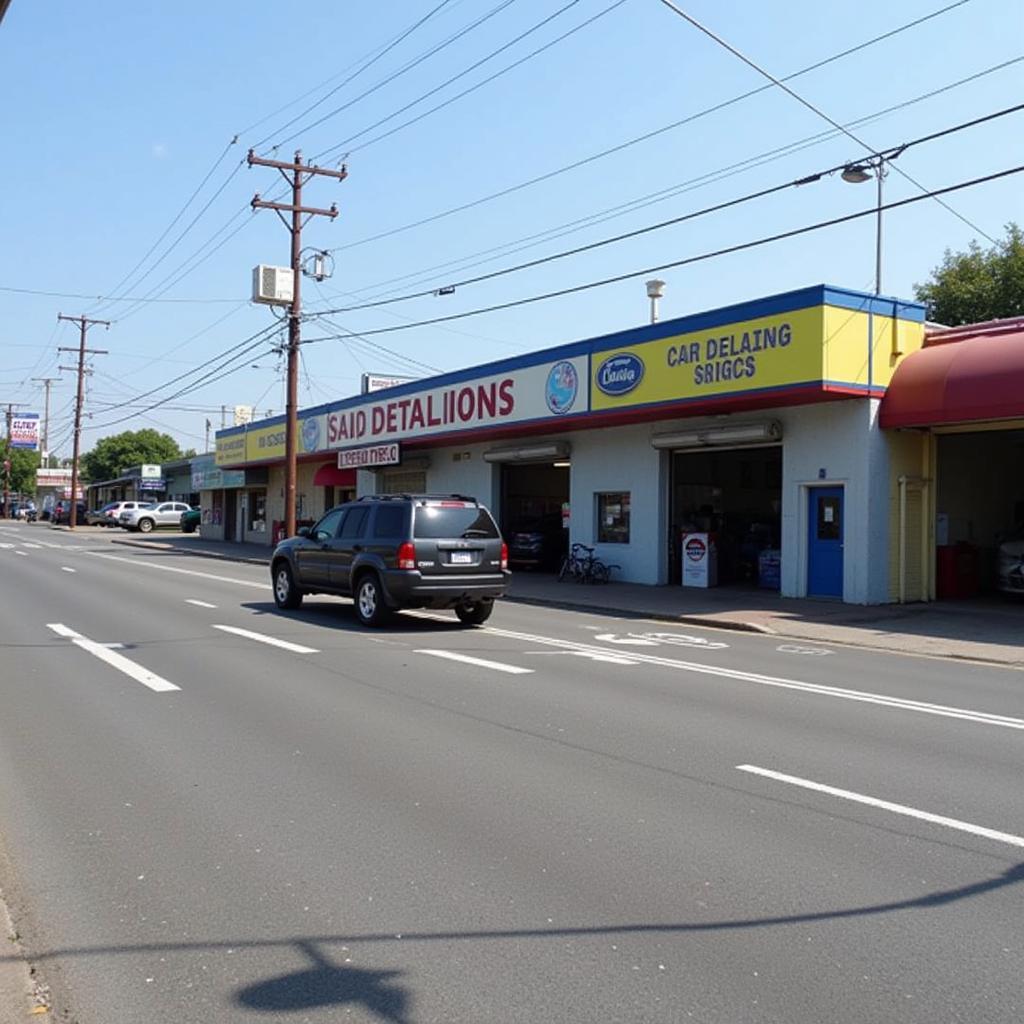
23, 470
112, 455
978, 284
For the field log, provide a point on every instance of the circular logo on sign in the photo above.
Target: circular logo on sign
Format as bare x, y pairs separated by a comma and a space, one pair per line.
620, 374
563, 385
311, 434
696, 549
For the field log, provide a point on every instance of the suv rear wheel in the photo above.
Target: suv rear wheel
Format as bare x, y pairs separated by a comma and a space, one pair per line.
286, 594
371, 609
476, 613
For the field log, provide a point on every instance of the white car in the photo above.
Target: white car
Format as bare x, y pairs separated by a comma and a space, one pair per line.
165, 514
1010, 569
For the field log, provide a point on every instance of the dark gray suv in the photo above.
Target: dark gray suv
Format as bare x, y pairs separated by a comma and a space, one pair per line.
397, 551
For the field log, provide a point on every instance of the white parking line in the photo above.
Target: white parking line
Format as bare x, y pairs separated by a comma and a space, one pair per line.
264, 639
115, 660
67, 568
496, 666
819, 689
885, 805
199, 604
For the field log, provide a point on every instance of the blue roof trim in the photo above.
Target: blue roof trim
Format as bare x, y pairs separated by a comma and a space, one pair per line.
772, 305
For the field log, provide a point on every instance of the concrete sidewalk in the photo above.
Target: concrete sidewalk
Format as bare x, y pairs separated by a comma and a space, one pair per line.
986, 630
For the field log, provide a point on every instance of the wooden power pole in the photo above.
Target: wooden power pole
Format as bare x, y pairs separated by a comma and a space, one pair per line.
84, 323
295, 174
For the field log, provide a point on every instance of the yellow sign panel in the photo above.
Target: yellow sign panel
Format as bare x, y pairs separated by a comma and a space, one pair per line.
265, 443
818, 345
230, 450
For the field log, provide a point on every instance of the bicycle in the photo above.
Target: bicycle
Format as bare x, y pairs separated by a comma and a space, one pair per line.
582, 565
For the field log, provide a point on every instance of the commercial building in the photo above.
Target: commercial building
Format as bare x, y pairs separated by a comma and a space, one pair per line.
757, 424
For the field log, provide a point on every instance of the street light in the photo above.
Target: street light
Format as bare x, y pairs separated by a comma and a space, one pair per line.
857, 174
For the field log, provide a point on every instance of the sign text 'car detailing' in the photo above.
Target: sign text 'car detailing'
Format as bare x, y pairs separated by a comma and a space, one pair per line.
729, 357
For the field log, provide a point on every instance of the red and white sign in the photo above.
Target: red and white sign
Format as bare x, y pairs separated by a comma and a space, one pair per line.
514, 397
700, 560
370, 457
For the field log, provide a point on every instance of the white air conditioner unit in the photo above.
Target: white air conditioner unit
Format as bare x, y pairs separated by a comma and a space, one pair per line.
736, 435
529, 453
272, 286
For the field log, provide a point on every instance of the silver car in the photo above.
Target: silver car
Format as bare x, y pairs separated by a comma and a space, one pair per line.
146, 518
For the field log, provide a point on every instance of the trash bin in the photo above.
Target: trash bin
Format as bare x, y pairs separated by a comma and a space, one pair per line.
957, 572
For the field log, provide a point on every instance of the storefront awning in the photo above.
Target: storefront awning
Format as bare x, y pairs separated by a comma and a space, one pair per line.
965, 375
329, 475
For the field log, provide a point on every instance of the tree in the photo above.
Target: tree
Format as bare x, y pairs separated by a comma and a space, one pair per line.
977, 284
24, 464
112, 455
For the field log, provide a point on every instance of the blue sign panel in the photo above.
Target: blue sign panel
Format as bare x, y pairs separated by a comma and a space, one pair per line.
620, 374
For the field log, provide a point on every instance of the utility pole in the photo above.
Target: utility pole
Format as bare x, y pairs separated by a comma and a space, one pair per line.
84, 323
47, 383
295, 174
11, 406
206, 443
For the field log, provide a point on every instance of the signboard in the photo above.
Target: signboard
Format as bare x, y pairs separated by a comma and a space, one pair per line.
700, 560
262, 444
380, 382
545, 391
151, 472
53, 477
151, 484
370, 457
208, 476
25, 431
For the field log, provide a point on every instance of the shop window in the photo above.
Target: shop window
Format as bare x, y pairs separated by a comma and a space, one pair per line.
257, 512
613, 517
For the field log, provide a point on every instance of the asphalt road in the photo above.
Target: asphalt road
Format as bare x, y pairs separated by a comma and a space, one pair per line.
559, 817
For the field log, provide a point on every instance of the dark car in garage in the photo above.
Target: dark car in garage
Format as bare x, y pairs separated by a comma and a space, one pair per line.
540, 543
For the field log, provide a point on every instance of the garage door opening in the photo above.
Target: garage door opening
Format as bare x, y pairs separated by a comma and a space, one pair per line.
979, 522
736, 496
534, 513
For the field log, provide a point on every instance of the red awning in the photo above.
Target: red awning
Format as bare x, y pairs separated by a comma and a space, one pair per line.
329, 475
965, 375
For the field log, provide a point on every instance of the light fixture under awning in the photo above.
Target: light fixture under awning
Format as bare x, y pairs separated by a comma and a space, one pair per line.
529, 453
710, 437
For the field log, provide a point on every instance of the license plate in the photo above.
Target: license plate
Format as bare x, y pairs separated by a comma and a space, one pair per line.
462, 558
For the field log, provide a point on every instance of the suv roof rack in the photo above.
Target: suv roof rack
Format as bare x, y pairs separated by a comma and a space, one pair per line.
418, 497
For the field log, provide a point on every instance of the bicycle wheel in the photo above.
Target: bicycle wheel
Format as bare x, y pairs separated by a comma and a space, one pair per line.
565, 569
599, 572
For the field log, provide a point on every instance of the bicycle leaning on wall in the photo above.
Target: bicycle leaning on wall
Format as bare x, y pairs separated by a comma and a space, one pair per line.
583, 566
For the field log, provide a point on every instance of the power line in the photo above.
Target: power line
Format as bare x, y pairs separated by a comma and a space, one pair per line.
106, 299
465, 71
817, 110
529, 182
888, 154
740, 247
661, 195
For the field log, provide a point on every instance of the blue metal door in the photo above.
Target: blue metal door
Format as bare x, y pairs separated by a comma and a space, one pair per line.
825, 542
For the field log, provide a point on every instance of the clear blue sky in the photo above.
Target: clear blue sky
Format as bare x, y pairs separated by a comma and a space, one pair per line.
115, 112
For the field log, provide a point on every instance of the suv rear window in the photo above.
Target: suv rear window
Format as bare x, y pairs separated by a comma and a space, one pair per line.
435, 521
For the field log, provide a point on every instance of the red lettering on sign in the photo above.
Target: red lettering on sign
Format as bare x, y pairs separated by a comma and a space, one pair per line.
507, 396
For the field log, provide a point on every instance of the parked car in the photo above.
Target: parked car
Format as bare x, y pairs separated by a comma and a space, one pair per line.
540, 543
397, 551
190, 520
153, 516
100, 516
1010, 567
112, 511
62, 512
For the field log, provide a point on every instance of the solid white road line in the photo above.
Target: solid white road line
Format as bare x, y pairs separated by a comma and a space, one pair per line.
262, 638
115, 660
22, 553
199, 604
67, 568
185, 572
885, 805
496, 666
819, 689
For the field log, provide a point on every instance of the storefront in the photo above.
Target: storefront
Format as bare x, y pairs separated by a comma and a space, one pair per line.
958, 407
756, 424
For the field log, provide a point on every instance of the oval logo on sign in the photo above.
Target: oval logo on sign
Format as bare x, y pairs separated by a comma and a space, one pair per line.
696, 549
620, 374
562, 387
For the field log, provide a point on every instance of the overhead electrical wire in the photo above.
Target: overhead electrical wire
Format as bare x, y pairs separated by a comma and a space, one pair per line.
671, 126
621, 209
888, 153
780, 83
726, 250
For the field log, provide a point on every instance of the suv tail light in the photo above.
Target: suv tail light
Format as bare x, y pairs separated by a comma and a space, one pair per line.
407, 555
504, 555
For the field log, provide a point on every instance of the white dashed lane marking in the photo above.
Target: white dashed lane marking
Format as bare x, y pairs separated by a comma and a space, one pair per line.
494, 666
262, 638
198, 603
